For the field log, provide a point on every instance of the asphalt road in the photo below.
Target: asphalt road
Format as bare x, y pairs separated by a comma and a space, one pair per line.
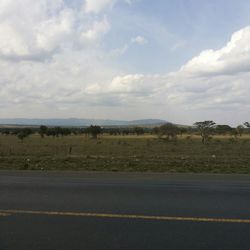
123, 211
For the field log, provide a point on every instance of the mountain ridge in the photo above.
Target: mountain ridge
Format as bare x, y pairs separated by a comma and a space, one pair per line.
77, 122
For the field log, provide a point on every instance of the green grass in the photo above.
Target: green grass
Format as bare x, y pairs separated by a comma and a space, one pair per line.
140, 154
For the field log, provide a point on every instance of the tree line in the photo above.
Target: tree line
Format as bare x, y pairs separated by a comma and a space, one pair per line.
168, 131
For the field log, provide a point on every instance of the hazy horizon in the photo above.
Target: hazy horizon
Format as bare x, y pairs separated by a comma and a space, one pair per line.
146, 120
180, 61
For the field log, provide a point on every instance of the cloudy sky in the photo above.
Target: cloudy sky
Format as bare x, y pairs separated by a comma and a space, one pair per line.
182, 60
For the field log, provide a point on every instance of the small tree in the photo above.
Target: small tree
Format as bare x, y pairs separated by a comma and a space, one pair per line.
66, 131
43, 131
169, 131
235, 133
156, 130
240, 130
247, 124
183, 130
139, 130
51, 132
223, 129
24, 133
58, 131
205, 129
94, 131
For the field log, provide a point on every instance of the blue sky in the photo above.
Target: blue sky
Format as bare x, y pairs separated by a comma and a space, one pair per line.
177, 30
182, 60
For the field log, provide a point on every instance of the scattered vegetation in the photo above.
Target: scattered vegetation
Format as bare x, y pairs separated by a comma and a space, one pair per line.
168, 131
167, 148
94, 131
206, 130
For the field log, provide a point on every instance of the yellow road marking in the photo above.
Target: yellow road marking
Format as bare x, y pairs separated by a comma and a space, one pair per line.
124, 216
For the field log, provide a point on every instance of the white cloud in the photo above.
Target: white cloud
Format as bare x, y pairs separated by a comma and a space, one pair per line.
29, 32
45, 27
215, 82
120, 51
96, 31
80, 75
140, 40
97, 6
178, 45
231, 59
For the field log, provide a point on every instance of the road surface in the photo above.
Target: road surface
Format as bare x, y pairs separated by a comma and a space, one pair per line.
41, 210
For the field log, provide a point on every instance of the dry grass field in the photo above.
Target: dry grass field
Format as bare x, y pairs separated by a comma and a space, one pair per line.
126, 153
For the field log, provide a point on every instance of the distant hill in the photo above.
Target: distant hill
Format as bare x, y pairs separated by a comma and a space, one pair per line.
74, 122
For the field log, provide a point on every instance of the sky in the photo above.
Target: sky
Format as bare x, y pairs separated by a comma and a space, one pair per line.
182, 61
